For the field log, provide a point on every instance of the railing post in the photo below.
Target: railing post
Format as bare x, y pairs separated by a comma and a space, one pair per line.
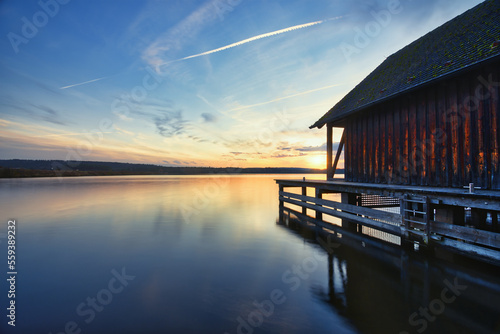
304, 193
319, 194
427, 210
349, 198
405, 225
281, 205
329, 151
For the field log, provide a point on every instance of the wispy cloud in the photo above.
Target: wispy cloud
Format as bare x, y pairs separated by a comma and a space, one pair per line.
34, 111
67, 134
320, 148
281, 155
208, 118
182, 32
4, 122
168, 120
254, 38
169, 124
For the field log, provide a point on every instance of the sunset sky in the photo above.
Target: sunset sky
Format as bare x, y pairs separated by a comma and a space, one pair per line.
191, 83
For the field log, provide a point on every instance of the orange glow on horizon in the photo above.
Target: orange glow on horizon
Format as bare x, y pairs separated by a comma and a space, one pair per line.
316, 161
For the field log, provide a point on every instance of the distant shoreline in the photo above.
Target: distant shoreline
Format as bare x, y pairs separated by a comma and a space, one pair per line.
16, 168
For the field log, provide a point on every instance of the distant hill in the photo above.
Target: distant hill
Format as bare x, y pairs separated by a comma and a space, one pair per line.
40, 168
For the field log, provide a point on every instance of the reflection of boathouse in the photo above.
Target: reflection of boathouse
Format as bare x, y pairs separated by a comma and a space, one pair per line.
421, 135
396, 291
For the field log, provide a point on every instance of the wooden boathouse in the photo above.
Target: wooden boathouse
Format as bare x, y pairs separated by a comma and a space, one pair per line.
421, 138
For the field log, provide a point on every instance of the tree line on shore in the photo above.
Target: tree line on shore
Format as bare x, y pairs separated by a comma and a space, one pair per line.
17, 168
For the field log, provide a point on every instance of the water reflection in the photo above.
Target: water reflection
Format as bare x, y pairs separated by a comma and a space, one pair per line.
392, 291
203, 252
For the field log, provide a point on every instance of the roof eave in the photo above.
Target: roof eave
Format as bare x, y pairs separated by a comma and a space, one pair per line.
320, 124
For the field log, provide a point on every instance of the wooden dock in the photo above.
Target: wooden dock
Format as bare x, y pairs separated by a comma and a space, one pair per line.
464, 221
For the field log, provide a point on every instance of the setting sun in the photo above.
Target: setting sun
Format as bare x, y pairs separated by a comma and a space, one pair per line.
317, 161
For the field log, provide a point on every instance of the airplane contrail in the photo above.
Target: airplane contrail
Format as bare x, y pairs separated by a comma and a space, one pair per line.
229, 46
83, 83
285, 97
254, 38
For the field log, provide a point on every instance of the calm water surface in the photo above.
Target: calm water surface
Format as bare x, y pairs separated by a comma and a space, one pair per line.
195, 254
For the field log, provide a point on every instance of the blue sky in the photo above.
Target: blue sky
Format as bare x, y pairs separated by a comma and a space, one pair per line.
193, 83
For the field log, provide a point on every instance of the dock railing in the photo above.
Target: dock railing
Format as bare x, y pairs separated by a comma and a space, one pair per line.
414, 222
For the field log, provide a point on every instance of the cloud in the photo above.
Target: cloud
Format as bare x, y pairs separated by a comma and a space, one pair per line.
120, 130
169, 123
34, 111
320, 148
197, 139
182, 32
49, 115
208, 118
4, 122
287, 155
68, 134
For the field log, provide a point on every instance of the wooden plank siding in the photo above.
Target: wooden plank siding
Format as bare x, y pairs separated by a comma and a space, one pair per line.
348, 152
371, 165
495, 129
376, 134
396, 175
442, 154
389, 152
422, 151
466, 131
432, 137
445, 134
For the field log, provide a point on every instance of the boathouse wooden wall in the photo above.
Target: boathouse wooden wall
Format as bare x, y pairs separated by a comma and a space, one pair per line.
444, 134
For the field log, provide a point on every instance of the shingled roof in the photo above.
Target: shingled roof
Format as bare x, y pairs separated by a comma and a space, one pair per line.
466, 40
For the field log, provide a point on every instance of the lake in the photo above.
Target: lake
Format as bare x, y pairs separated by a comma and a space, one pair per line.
207, 254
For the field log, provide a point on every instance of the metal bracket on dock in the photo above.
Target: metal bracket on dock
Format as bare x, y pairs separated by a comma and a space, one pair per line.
415, 212
471, 188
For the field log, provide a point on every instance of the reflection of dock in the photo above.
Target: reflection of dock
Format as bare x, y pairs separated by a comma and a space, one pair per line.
388, 290
437, 218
